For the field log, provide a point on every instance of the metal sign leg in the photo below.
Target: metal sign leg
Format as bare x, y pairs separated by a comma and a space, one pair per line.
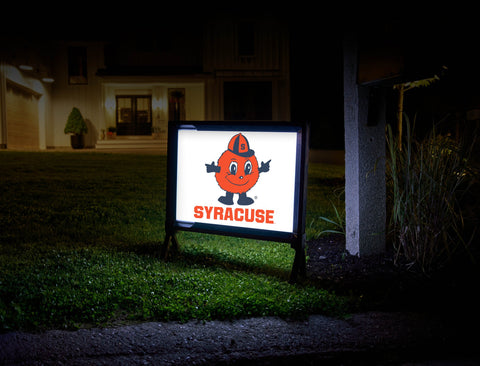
299, 267
170, 236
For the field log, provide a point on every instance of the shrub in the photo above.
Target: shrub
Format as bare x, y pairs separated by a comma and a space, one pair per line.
425, 182
75, 123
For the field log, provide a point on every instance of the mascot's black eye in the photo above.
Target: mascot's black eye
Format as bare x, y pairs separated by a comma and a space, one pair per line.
248, 167
233, 167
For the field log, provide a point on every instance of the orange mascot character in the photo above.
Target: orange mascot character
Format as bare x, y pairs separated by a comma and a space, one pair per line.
237, 171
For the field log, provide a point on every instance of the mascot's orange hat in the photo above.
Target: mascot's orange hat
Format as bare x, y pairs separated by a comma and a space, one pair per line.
239, 146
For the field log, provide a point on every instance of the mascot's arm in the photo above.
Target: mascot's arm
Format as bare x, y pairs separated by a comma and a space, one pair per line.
264, 167
211, 168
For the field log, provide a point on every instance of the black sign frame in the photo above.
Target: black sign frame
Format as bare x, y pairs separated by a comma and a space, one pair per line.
296, 237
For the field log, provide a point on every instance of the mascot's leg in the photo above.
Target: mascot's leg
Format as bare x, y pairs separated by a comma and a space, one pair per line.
244, 200
227, 199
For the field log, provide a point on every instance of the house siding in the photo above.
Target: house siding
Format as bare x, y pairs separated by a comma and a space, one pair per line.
87, 98
201, 71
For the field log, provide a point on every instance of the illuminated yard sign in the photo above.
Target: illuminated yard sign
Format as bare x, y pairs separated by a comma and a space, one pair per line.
240, 179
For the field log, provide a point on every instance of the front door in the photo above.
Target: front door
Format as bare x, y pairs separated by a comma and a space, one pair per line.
134, 115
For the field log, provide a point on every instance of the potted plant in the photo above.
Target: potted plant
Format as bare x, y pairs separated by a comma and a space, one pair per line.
112, 132
77, 127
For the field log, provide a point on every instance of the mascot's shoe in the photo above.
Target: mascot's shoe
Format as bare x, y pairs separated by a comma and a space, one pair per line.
244, 200
227, 199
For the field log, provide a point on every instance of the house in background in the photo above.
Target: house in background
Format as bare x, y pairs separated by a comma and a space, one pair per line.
134, 81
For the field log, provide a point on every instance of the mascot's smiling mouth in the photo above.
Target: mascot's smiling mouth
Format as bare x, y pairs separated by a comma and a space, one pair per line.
244, 181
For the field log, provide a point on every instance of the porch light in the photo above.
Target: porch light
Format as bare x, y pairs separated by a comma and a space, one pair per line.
48, 79
25, 67
157, 103
110, 103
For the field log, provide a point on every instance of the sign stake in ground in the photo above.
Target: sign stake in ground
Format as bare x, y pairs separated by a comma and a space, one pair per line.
244, 179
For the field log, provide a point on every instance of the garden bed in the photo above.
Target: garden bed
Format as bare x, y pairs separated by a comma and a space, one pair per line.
377, 283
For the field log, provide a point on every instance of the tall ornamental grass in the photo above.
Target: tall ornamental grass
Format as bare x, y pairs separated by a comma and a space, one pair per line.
426, 180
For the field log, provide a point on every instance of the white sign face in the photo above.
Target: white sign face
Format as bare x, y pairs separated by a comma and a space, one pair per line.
244, 179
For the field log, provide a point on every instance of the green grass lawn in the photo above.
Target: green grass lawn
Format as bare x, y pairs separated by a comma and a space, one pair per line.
80, 235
